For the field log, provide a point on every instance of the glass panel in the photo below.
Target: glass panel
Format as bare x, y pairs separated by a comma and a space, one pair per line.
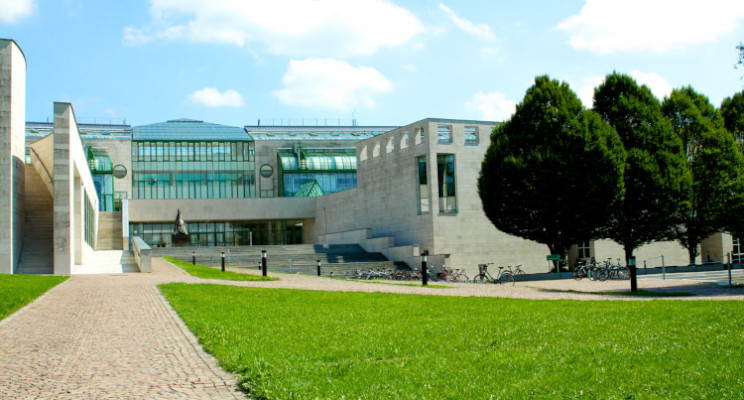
444, 133
471, 134
423, 187
446, 175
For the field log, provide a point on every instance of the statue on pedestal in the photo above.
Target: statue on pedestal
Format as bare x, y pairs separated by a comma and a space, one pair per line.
180, 236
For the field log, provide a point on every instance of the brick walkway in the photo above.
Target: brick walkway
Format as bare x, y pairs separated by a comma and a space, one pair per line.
107, 337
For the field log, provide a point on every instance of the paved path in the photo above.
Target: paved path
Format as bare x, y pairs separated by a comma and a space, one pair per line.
107, 337
113, 336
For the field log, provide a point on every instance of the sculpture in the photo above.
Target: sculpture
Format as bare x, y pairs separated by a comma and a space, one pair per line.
180, 236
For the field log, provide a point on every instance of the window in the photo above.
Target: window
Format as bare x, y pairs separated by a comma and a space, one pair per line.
390, 146
420, 135
736, 254
444, 133
471, 135
423, 186
446, 175
363, 153
584, 250
376, 149
404, 141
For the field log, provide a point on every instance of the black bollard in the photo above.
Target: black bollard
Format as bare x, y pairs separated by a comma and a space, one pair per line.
263, 262
223, 261
424, 273
318, 267
193, 257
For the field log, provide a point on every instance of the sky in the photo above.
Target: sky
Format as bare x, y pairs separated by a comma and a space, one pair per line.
310, 62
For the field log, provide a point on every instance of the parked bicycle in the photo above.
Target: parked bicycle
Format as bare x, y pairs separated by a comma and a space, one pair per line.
485, 277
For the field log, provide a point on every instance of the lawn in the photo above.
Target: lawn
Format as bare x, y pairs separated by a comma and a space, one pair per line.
293, 344
205, 272
18, 290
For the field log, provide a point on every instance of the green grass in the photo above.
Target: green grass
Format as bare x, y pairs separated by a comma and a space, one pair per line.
638, 293
292, 344
18, 290
205, 272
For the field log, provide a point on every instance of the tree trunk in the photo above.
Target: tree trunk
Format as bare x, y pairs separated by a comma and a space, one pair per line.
692, 251
631, 269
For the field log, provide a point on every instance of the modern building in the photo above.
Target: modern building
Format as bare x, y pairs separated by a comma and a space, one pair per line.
80, 189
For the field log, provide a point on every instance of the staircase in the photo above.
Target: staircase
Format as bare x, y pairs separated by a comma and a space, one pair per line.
37, 254
301, 258
108, 262
109, 231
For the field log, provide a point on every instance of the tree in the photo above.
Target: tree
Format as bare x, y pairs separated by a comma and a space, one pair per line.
732, 110
715, 165
552, 170
656, 178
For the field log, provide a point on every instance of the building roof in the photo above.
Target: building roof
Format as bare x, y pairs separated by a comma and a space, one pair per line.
355, 133
97, 131
189, 129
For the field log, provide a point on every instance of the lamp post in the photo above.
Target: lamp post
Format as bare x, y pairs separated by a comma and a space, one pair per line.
318, 267
263, 262
424, 275
223, 261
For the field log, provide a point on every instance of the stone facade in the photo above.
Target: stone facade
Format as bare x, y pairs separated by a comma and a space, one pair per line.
12, 167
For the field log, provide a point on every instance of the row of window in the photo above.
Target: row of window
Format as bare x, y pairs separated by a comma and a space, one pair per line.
330, 182
444, 136
192, 151
446, 186
243, 233
193, 185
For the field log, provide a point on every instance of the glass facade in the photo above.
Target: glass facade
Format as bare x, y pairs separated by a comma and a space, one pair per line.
102, 172
193, 170
333, 169
447, 189
225, 233
423, 186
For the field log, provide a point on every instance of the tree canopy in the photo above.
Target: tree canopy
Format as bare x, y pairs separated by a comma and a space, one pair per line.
715, 165
553, 171
732, 110
656, 179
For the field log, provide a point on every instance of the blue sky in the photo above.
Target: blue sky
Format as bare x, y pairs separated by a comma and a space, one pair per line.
381, 62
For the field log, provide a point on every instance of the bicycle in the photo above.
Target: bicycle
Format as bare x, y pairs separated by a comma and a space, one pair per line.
485, 277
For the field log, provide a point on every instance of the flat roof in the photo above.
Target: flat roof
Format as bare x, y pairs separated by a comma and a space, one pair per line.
102, 131
188, 130
355, 133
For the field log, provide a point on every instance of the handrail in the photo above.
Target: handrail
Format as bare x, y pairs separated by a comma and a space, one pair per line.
46, 170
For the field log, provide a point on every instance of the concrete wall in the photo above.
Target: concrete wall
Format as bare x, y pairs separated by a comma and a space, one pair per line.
221, 209
72, 181
12, 142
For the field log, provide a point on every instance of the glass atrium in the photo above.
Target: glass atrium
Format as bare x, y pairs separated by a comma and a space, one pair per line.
187, 159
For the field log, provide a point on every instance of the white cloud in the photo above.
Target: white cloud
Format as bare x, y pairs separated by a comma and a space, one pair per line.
609, 26
288, 27
482, 31
492, 106
331, 84
585, 90
658, 85
410, 68
211, 97
13, 10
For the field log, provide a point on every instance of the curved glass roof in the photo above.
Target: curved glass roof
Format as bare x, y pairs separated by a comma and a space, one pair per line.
318, 162
188, 130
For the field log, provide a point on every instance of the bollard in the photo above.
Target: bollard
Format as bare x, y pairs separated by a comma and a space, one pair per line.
223, 261
663, 267
193, 257
263, 262
424, 274
318, 267
730, 265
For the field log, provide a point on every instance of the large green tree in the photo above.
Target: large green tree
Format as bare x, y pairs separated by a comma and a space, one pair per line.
657, 181
716, 167
552, 171
732, 110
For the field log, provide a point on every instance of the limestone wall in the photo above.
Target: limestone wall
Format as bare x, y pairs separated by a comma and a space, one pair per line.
12, 141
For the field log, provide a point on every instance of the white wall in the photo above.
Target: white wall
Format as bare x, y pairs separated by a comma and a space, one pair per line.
12, 141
